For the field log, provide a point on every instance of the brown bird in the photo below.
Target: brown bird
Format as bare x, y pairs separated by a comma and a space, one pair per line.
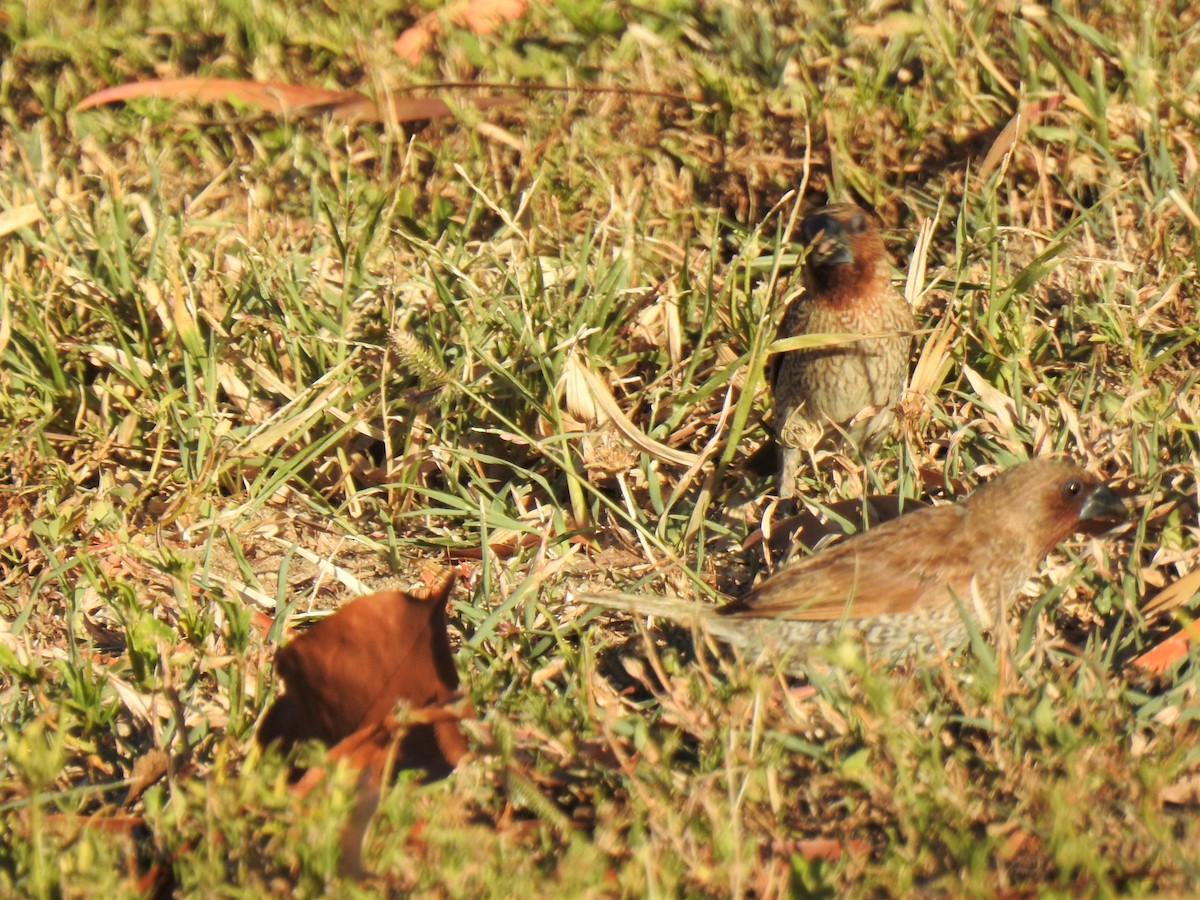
827, 394
908, 587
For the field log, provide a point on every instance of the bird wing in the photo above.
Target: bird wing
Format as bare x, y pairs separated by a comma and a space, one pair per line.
771, 371
902, 565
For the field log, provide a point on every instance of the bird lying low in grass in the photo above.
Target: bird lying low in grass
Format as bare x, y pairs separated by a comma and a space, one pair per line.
823, 394
907, 587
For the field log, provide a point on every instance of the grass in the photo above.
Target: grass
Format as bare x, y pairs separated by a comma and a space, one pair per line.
253, 366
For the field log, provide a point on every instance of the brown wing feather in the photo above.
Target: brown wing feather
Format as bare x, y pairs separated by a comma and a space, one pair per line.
901, 565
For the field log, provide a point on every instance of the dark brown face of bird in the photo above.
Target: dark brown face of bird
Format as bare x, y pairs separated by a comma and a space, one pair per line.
844, 249
1031, 508
1083, 505
827, 232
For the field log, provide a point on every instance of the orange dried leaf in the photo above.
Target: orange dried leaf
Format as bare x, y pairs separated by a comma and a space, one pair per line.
485, 16
272, 96
414, 41
115, 823
830, 849
345, 677
295, 99
1160, 657
478, 16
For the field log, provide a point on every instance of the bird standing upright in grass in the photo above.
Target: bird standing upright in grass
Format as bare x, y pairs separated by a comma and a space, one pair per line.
908, 587
849, 389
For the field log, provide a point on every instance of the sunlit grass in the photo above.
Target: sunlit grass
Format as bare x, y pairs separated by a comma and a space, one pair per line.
251, 365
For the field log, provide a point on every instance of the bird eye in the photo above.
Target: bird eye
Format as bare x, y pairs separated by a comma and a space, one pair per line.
1073, 488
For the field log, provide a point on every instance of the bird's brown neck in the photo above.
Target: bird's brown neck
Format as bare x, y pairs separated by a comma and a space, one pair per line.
847, 285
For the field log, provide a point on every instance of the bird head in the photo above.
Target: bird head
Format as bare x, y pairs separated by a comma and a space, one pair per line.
833, 234
1101, 509
1048, 500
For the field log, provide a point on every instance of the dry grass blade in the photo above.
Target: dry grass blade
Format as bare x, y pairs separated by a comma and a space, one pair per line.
935, 361
996, 402
19, 217
818, 341
1012, 133
1175, 594
596, 397
915, 290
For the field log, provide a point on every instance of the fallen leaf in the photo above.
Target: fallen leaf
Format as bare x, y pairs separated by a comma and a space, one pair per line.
1184, 792
294, 99
478, 16
830, 849
346, 676
19, 217
1177, 593
484, 16
272, 96
1012, 133
1163, 655
147, 769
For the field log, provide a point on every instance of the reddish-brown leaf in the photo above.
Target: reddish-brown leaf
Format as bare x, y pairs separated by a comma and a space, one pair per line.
113, 824
1180, 591
1161, 656
292, 99
831, 849
346, 675
478, 16
272, 96
427, 739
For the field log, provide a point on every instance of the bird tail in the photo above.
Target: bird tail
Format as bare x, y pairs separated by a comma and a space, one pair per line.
685, 612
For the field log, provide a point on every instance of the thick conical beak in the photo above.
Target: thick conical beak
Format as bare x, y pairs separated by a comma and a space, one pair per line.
828, 242
1103, 507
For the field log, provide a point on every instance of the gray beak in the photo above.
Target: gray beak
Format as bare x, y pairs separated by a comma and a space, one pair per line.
1103, 506
828, 242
